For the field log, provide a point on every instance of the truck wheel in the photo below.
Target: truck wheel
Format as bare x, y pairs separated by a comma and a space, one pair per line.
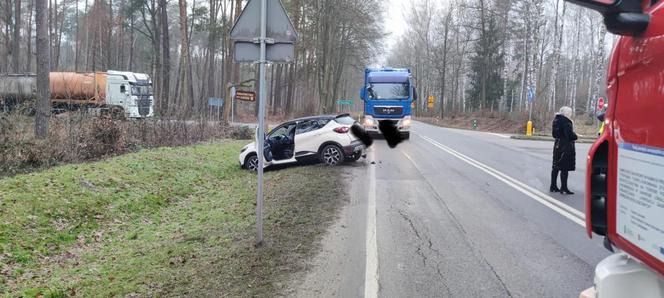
117, 113
331, 155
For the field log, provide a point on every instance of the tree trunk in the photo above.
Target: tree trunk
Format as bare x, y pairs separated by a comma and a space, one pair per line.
87, 38
187, 84
58, 34
213, 30
444, 68
8, 44
132, 42
77, 41
28, 64
119, 60
50, 24
43, 105
17, 36
109, 37
165, 53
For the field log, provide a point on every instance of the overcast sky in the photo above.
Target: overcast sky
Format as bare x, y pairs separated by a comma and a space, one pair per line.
395, 22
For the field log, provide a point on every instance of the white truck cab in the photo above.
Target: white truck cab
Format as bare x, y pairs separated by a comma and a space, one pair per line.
131, 91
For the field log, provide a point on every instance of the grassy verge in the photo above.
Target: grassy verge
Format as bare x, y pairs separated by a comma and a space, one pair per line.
164, 222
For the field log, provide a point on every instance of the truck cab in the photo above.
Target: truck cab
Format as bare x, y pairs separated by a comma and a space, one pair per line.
131, 91
625, 177
388, 94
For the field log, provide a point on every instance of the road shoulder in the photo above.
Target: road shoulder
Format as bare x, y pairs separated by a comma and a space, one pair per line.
338, 268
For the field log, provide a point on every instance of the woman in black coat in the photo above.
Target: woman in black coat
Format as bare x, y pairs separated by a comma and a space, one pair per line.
564, 153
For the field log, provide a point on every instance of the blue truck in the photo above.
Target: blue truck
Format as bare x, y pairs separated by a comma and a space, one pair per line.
388, 95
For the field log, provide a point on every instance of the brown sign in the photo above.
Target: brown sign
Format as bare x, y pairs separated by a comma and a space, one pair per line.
245, 95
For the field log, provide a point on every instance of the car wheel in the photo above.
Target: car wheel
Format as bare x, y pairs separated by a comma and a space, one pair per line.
332, 155
251, 163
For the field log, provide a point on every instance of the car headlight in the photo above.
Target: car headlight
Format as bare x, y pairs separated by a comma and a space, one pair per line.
406, 121
368, 121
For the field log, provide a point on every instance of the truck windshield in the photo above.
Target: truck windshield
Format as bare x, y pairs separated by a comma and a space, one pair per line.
141, 90
388, 91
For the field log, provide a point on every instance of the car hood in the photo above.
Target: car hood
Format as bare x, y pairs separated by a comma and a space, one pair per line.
249, 147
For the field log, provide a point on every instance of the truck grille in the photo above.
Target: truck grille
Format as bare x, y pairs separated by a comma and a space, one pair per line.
144, 103
388, 110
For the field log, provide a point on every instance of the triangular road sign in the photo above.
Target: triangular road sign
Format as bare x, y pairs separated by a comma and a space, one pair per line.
279, 26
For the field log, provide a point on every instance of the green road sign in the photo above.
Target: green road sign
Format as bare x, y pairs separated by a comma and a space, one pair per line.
346, 102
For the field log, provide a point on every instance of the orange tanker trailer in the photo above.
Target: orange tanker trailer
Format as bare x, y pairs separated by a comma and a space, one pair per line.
86, 87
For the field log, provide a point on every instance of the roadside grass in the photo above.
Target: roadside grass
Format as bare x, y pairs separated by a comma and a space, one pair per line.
163, 222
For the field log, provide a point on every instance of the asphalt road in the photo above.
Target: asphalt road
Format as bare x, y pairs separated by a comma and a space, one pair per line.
453, 213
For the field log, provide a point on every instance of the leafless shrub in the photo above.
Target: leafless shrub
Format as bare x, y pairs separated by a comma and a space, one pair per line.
80, 137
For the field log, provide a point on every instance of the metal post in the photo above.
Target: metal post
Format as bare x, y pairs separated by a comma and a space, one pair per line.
530, 115
529, 125
261, 124
231, 97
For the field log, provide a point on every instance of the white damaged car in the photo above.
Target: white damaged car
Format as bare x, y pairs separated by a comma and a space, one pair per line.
327, 138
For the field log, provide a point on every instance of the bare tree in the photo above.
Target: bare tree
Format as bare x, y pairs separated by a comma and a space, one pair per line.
165, 52
43, 68
187, 87
17, 36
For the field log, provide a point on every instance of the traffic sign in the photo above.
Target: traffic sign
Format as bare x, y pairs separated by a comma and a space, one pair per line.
245, 95
279, 38
600, 103
215, 102
531, 94
346, 102
430, 101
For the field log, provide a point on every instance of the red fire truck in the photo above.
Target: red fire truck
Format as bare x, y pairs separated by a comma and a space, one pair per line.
625, 179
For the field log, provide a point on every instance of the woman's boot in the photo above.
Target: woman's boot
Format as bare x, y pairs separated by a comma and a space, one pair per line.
554, 181
563, 189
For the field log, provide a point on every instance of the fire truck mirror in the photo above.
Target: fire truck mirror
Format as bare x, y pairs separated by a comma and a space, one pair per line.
622, 17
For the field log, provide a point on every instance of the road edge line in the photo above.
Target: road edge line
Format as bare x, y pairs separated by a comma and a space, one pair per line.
534, 191
519, 186
371, 246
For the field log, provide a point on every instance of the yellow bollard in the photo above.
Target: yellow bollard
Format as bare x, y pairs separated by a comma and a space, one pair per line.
529, 129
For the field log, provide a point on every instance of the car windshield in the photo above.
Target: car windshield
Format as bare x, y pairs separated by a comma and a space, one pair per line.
141, 90
388, 91
281, 131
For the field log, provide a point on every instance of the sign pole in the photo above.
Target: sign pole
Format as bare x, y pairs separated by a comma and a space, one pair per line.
261, 125
530, 114
250, 35
231, 97
529, 126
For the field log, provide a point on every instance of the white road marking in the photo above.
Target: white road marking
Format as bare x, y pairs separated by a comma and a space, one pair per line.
371, 266
563, 209
499, 135
411, 160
